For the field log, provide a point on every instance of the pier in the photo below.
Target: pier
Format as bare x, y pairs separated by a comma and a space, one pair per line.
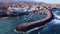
24, 27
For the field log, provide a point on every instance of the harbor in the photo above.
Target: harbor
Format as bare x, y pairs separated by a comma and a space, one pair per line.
22, 17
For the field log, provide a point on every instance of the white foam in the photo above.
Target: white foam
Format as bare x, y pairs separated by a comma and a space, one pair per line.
33, 29
5, 17
56, 15
56, 21
36, 28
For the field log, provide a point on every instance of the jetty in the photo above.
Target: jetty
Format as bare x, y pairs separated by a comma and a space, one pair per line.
27, 8
24, 27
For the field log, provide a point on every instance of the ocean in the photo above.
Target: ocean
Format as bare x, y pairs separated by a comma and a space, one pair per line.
7, 25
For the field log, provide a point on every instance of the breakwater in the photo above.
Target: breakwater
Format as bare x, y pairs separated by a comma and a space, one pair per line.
24, 27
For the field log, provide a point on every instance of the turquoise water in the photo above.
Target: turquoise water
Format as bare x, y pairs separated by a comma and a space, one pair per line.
7, 25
